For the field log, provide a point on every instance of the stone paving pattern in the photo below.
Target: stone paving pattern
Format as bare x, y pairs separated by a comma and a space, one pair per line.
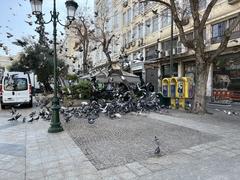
56, 156
114, 142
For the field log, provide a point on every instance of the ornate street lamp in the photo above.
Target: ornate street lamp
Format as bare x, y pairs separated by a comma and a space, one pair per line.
71, 6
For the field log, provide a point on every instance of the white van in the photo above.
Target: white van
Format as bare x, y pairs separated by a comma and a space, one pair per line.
16, 89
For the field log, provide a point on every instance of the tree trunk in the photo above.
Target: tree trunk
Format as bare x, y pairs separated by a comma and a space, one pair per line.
199, 104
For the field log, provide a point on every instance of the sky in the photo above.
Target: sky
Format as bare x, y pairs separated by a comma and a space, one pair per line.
14, 14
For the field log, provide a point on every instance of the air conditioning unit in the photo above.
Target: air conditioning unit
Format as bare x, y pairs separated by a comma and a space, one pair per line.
161, 54
167, 53
184, 49
207, 43
233, 1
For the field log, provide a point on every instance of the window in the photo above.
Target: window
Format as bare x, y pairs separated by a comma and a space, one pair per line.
147, 27
140, 30
218, 31
155, 23
124, 39
135, 9
202, 4
166, 18
134, 33
129, 38
236, 31
141, 8
15, 84
151, 52
129, 16
124, 18
166, 45
116, 20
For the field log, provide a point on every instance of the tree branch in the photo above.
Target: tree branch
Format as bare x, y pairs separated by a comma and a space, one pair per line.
159, 1
207, 13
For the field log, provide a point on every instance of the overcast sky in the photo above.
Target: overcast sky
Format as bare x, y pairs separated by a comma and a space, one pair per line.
14, 14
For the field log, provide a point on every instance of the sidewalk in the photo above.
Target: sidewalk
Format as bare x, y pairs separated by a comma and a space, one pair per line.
27, 151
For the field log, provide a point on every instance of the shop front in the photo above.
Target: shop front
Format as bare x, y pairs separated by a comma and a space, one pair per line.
226, 78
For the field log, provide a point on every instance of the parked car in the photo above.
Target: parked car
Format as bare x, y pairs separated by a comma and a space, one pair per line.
16, 89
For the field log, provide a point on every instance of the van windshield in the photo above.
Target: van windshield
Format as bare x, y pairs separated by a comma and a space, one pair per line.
15, 84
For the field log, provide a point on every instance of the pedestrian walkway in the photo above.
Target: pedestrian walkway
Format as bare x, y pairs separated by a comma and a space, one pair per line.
27, 151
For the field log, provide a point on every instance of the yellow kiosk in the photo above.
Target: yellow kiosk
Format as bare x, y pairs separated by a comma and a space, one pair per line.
173, 92
184, 90
166, 87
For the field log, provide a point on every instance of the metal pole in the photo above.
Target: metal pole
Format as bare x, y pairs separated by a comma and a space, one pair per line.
171, 50
55, 125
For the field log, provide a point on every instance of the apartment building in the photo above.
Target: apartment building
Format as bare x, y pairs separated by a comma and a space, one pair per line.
146, 28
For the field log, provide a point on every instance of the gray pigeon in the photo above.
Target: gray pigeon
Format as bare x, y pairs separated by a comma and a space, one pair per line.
157, 150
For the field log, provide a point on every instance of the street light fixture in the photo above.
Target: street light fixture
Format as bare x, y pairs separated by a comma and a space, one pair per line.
71, 6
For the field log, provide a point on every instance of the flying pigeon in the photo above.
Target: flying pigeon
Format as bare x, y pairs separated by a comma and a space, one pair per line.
95, 13
29, 16
29, 22
9, 35
20, 43
155, 11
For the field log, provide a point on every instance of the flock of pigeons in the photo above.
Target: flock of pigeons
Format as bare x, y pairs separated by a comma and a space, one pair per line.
15, 115
7, 31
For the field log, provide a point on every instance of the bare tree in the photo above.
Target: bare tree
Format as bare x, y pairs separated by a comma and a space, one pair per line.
203, 58
82, 25
103, 37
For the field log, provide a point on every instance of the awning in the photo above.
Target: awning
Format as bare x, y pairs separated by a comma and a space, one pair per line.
102, 76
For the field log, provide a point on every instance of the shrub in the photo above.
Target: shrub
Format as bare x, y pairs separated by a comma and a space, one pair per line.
82, 89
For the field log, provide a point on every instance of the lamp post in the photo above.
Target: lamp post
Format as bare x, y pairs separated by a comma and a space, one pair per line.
171, 47
71, 6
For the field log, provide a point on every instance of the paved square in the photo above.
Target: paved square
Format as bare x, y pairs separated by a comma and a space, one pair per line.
115, 142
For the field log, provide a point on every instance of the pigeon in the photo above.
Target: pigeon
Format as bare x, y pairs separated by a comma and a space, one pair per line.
93, 49
96, 14
14, 118
20, 43
91, 121
29, 16
32, 114
36, 118
155, 11
29, 22
9, 35
13, 111
67, 118
31, 119
157, 150
24, 119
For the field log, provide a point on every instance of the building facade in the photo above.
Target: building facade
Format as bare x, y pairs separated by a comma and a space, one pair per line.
145, 30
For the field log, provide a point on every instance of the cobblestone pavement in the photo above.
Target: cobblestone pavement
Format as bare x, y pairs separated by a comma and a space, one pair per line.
211, 150
114, 142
